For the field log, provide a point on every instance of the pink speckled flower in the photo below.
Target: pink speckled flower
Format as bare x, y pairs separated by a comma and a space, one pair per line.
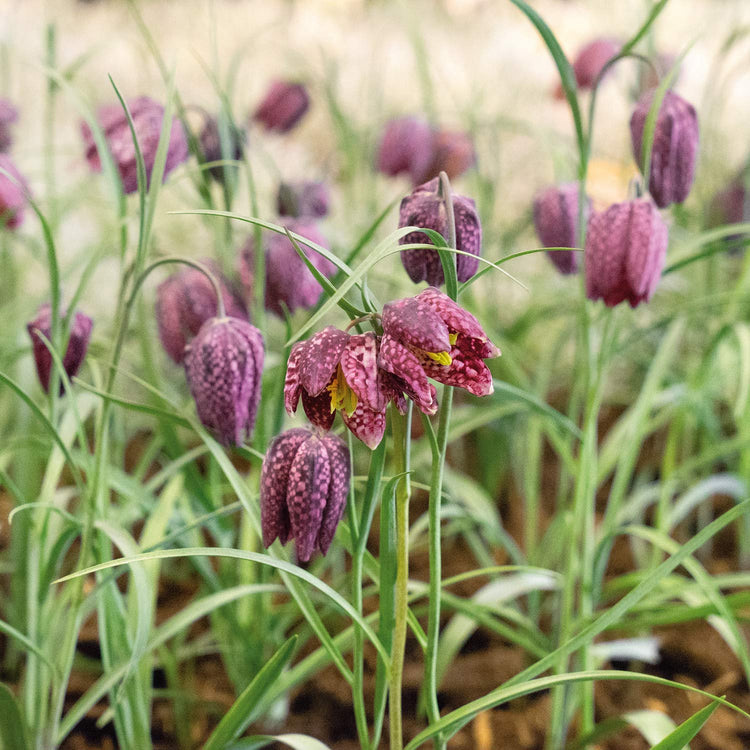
426, 208
78, 342
452, 152
8, 115
310, 198
288, 280
224, 365
303, 489
556, 223
186, 300
147, 117
283, 106
626, 246
406, 147
12, 194
335, 371
674, 150
431, 336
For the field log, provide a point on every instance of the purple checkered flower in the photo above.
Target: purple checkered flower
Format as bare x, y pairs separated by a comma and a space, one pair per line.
224, 365
303, 489
406, 147
303, 199
12, 194
8, 116
210, 142
431, 336
283, 106
626, 246
186, 300
78, 342
425, 207
556, 223
147, 117
674, 150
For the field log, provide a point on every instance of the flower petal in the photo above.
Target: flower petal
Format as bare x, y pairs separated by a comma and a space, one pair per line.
320, 355
397, 359
318, 409
416, 324
465, 371
366, 424
291, 383
338, 490
359, 363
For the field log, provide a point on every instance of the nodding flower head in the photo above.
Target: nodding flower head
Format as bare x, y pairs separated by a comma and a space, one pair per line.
147, 116
211, 147
452, 152
626, 246
303, 489
675, 147
186, 300
223, 366
78, 342
303, 199
406, 147
425, 207
431, 336
13, 194
589, 61
8, 116
556, 223
283, 106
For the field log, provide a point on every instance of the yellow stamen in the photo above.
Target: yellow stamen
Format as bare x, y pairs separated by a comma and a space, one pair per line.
453, 337
342, 396
442, 358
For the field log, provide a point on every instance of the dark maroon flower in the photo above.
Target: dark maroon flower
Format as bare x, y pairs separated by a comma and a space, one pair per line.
283, 106
224, 365
78, 342
186, 300
303, 489
288, 280
425, 207
8, 115
406, 148
335, 371
431, 336
303, 199
674, 150
210, 141
556, 223
626, 246
452, 152
147, 117
12, 194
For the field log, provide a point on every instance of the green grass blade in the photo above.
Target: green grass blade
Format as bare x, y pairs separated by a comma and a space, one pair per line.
678, 739
12, 724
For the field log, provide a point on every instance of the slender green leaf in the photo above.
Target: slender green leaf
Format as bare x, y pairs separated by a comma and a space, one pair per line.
678, 739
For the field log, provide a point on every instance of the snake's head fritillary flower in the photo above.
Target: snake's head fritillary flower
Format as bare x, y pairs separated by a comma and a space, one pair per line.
289, 282
674, 150
147, 116
186, 300
303, 489
556, 223
78, 342
8, 115
431, 336
406, 147
224, 365
452, 152
303, 199
425, 207
13, 194
589, 61
626, 246
210, 142
731, 206
335, 371
283, 106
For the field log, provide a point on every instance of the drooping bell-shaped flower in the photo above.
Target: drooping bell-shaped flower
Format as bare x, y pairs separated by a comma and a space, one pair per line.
452, 152
8, 116
283, 106
303, 489
675, 146
406, 147
186, 300
626, 247
224, 366
289, 282
78, 342
147, 116
730, 205
310, 199
210, 143
589, 62
13, 194
425, 207
556, 223
431, 336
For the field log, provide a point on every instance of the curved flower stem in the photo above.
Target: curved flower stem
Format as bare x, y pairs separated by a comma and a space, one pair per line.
401, 430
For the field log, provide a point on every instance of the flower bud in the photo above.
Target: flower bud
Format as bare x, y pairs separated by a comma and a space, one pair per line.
406, 148
626, 246
8, 115
186, 300
12, 194
452, 153
78, 342
147, 116
556, 223
303, 489
674, 150
589, 61
425, 207
283, 106
210, 141
224, 366
303, 199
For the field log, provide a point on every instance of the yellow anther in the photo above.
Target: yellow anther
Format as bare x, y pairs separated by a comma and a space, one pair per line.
442, 358
342, 396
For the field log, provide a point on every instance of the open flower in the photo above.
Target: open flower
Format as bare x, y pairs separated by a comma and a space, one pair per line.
223, 366
303, 489
431, 336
